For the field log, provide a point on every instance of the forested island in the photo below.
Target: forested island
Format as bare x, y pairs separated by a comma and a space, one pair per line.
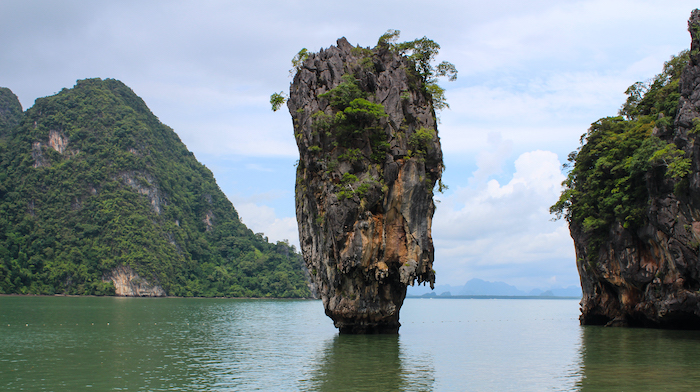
98, 197
632, 200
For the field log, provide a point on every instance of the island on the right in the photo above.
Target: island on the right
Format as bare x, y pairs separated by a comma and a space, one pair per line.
632, 201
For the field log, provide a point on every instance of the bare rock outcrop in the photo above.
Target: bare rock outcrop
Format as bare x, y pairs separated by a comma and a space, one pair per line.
650, 275
369, 159
127, 283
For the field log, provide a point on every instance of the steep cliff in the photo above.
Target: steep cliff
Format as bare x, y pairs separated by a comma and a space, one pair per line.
369, 158
633, 203
99, 197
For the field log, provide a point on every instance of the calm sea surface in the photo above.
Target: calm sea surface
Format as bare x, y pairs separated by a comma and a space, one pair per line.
139, 344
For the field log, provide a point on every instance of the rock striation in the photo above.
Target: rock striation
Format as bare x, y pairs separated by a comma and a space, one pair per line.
369, 158
650, 275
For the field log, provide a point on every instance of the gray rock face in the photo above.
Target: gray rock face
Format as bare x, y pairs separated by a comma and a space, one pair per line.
651, 276
369, 159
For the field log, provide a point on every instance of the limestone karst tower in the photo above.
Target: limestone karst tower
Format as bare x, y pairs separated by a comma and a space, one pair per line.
369, 160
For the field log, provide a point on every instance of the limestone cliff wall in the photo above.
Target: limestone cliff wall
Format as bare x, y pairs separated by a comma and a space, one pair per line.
651, 276
364, 182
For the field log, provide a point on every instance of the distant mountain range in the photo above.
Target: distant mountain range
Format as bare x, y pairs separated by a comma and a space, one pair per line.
482, 287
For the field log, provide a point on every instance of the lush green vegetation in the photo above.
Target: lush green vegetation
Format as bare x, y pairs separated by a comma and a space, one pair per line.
277, 100
355, 118
10, 110
609, 173
124, 191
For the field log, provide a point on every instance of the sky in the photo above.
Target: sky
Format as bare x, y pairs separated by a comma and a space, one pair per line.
532, 78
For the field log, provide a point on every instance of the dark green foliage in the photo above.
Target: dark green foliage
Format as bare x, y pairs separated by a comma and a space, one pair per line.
10, 110
421, 139
355, 118
363, 113
123, 190
298, 61
277, 100
618, 155
659, 95
343, 94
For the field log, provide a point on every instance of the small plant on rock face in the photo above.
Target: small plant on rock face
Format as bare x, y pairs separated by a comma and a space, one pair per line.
298, 61
351, 155
363, 113
277, 100
347, 188
359, 51
321, 121
332, 165
420, 140
442, 187
362, 189
348, 178
344, 93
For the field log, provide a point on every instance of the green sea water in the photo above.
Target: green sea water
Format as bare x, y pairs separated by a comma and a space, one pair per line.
169, 344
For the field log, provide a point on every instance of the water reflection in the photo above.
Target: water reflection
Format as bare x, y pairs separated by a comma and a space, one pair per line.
623, 359
67, 344
369, 363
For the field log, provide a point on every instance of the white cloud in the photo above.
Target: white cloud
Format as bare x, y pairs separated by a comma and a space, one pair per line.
263, 219
490, 161
484, 231
543, 112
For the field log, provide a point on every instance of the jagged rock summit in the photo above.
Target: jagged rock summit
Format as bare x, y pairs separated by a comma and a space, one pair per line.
637, 252
370, 157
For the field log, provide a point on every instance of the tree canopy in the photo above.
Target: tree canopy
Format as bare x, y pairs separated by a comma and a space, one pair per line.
607, 179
